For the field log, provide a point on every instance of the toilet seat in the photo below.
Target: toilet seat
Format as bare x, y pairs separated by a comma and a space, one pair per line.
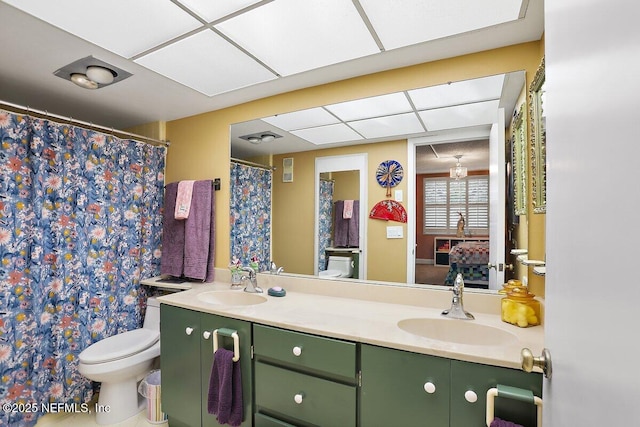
119, 346
330, 273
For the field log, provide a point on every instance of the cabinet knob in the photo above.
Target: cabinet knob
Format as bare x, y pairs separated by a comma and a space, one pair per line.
206, 335
298, 398
471, 396
430, 387
188, 330
297, 351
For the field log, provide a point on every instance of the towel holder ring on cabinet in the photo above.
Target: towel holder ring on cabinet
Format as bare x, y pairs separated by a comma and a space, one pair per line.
226, 332
512, 393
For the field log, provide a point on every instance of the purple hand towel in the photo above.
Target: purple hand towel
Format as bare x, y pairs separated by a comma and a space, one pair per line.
497, 422
353, 240
197, 232
172, 258
225, 389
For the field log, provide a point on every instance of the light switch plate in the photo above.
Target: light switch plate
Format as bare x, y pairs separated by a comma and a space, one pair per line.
394, 232
398, 195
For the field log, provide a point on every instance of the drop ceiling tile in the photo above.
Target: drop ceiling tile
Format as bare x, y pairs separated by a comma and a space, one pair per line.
195, 62
461, 116
456, 93
393, 103
212, 10
292, 36
401, 23
311, 117
121, 26
399, 124
328, 134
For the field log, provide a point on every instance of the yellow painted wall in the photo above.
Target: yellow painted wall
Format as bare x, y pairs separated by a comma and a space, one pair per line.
294, 205
200, 144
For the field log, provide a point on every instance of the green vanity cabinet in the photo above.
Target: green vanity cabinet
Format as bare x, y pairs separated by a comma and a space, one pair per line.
478, 378
403, 388
186, 359
303, 379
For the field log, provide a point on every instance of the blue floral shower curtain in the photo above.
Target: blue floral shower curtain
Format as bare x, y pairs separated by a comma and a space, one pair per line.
251, 214
325, 221
80, 225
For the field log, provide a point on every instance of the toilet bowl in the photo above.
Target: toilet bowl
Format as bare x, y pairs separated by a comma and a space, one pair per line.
119, 362
338, 266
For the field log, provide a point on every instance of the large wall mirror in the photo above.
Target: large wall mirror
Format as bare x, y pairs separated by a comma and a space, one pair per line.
380, 128
538, 142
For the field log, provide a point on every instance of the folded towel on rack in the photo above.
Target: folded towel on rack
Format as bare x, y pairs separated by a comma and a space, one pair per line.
183, 199
497, 422
198, 233
225, 389
172, 259
347, 211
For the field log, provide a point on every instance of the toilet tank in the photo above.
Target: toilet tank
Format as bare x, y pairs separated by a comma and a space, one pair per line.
152, 317
343, 264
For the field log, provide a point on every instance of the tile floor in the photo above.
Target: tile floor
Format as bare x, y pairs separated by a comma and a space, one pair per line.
89, 420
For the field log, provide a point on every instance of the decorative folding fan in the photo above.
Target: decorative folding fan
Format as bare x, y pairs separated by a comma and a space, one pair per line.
389, 174
389, 210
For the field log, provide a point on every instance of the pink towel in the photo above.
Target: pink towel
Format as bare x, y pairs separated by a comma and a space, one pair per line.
347, 211
225, 389
183, 199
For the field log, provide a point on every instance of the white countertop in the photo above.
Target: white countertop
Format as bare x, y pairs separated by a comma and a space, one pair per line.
367, 313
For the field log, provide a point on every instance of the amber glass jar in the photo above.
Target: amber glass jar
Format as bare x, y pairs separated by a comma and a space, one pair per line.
512, 283
520, 308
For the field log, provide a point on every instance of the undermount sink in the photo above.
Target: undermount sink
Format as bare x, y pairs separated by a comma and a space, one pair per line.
231, 298
457, 331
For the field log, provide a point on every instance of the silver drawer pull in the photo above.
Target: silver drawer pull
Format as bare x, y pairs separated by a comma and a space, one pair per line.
298, 398
297, 351
430, 387
188, 330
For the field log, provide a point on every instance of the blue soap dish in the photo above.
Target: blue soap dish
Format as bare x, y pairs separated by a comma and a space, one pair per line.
277, 291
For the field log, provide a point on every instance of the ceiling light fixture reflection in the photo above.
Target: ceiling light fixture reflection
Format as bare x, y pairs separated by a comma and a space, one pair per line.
260, 137
458, 171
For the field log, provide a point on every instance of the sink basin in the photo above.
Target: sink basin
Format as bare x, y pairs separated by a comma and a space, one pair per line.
231, 298
457, 331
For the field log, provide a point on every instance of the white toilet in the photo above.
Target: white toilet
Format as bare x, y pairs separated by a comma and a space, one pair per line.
119, 362
338, 266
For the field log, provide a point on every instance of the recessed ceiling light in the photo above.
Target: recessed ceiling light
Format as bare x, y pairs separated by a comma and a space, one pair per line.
83, 81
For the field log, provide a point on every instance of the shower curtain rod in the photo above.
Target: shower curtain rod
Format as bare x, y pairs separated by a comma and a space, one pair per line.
45, 114
247, 163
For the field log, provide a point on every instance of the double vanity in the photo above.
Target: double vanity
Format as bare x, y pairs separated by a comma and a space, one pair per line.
333, 353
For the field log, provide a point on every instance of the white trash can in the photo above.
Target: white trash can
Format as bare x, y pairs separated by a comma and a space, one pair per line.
150, 389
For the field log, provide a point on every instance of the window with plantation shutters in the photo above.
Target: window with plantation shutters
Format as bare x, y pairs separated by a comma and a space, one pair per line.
445, 197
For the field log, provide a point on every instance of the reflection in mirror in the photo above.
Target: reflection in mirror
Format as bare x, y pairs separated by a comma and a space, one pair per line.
538, 142
519, 161
360, 126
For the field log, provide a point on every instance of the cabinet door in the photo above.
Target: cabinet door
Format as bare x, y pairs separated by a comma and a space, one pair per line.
479, 378
180, 365
208, 323
393, 388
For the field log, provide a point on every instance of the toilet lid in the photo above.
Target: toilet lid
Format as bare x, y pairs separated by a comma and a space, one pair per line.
119, 346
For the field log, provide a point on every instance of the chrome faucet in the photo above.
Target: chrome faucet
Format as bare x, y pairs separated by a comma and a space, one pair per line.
457, 307
253, 281
276, 270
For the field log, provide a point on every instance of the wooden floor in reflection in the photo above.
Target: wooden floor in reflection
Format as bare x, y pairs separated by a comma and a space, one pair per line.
430, 274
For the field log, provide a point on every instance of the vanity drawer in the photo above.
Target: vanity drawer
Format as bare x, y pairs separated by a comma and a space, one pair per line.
304, 397
305, 351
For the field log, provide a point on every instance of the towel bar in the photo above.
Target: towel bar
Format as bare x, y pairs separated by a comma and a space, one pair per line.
226, 332
511, 393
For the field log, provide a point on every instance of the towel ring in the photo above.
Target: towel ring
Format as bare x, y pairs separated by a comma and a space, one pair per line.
511, 393
228, 333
